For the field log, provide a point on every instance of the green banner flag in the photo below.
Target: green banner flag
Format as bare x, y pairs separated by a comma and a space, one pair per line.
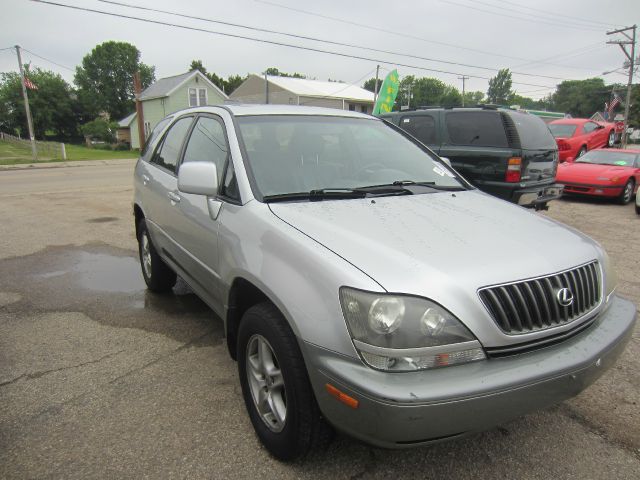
387, 94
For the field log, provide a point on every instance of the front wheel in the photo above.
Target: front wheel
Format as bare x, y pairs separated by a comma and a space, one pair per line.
627, 192
275, 386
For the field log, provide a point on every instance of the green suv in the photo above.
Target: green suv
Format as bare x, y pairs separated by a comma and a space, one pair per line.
506, 153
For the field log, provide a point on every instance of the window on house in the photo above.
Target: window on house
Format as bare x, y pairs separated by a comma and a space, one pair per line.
352, 107
197, 97
363, 108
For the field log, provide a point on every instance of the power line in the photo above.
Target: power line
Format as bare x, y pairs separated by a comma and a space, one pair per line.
572, 15
260, 40
573, 53
47, 60
565, 22
315, 39
399, 34
555, 24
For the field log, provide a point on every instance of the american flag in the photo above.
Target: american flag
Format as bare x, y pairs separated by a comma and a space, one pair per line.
615, 101
29, 84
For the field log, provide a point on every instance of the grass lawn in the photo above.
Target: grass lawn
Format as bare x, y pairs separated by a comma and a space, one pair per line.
11, 154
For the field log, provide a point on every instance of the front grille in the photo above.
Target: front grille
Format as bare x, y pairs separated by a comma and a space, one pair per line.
533, 305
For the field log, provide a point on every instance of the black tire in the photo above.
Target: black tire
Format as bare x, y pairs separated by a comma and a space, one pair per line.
304, 428
611, 139
627, 192
582, 151
157, 275
637, 209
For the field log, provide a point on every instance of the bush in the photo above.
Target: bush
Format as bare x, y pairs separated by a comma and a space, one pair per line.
122, 146
100, 129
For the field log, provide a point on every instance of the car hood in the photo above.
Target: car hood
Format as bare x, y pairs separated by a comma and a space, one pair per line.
440, 245
589, 171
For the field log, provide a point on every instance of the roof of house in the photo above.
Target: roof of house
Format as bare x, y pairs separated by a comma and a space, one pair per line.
166, 86
126, 121
317, 88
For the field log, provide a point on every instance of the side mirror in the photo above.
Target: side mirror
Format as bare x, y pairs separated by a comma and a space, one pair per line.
198, 178
446, 160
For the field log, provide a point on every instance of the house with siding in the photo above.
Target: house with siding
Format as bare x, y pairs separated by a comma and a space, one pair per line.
301, 91
168, 95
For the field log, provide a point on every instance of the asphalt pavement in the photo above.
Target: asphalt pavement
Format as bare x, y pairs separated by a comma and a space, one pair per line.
101, 379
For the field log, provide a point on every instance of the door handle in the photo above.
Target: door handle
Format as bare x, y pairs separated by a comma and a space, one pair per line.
145, 179
174, 197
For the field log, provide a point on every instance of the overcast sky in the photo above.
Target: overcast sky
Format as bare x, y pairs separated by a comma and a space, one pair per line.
570, 37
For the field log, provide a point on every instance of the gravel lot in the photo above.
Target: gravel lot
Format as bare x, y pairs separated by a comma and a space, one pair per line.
99, 378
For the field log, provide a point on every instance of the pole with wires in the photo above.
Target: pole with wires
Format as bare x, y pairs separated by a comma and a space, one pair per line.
631, 40
27, 110
463, 78
375, 87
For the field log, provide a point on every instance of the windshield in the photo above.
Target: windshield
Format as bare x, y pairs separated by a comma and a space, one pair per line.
301, 153
608, 157
562, 130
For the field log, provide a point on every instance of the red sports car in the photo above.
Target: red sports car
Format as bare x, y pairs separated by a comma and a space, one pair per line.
610, 173
576, 136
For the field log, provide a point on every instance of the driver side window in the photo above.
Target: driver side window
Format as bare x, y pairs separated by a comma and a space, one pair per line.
589, 127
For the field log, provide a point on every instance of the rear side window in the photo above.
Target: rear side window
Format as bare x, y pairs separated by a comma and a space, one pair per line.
423, 127
482, 129
152, 137
589, 127
533, 132
166, 155
208, 144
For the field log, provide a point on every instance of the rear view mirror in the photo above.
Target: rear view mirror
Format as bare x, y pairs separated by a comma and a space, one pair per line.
446, 160
198, 178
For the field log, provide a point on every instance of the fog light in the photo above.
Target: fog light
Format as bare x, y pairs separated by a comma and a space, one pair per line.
598, 191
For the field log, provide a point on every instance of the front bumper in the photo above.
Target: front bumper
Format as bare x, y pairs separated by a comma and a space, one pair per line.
593, 190
398, 410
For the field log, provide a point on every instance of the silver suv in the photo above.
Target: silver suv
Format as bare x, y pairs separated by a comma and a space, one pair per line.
363, 284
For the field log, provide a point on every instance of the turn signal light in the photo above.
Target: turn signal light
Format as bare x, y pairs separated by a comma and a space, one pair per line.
514, 167
341, 396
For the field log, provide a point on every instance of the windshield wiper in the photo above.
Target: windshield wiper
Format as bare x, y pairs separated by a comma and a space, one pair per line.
316, 195
433, 185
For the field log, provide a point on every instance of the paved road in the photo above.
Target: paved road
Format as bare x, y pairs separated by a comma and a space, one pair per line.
99, 378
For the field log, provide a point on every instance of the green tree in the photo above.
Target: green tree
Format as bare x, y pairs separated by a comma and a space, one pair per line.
277, 73
500, 87
100, 129
234, 82
473, 98
105, 79
427, 91
581, 98
370, 84
53, 104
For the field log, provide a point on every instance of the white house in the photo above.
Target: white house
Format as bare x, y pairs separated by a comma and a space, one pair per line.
300, 91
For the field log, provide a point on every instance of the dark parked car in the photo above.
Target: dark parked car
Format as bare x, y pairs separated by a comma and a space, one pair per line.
506, 153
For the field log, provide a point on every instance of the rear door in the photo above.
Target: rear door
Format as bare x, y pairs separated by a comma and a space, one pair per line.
424, 126
476, 143
162, 185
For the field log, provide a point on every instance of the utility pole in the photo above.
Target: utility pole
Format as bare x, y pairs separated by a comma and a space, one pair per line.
137, 88
631, 40
266, 88
463, 78
34, 152
375, 87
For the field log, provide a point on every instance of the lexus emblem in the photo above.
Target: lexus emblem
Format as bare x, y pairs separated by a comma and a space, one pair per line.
565, 297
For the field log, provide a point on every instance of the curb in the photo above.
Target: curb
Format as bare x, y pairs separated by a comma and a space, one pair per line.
76, 163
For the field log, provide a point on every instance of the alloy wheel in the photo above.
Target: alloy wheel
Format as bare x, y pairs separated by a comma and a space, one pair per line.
266, 383
146, 255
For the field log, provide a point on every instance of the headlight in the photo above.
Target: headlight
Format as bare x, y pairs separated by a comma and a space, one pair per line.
610, 279
403, 333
